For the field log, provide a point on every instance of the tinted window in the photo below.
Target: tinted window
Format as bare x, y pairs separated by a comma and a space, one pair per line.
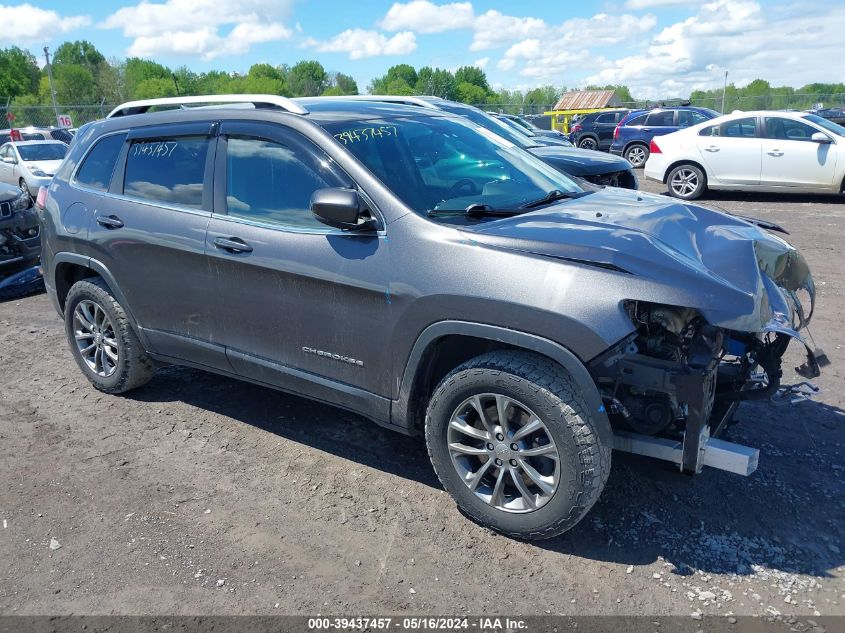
96, 170
788, 129
687, 118
637, 120
740, 128
663, 118
42, 151
269, 182
830, 126
167, 170
606, 118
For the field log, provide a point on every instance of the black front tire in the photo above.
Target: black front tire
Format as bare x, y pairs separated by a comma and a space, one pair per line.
549, 391
588, 142
134, 367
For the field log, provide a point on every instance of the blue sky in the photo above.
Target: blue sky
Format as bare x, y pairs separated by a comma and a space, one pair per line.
660, 48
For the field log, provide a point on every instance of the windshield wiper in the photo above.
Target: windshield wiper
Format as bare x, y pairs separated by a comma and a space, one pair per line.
475, 210
553, 196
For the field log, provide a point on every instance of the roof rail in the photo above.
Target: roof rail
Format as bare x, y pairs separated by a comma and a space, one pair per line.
423, 101
259, 101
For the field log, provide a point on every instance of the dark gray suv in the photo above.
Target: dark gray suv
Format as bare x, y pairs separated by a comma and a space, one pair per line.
420, 271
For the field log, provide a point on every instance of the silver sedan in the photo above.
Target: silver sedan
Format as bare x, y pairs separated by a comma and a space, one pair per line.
30, 164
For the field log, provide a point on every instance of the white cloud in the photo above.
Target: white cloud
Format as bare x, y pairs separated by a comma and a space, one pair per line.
360, 43
26, 24
650, 4
481, 63
737, 35
494, 29
195, 27
423, 16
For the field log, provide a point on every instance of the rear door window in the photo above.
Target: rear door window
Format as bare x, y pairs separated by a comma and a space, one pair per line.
662, 118
606, 118
686, 118
637, 120
740, 128
167, 170
97, 168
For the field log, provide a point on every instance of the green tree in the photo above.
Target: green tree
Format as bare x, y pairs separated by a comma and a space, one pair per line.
154, 88
345, 83
472, 75
542, 97
74, 85
307, 79
19, 74
400, 79
138, 70
471, 93
79, 53
436, 82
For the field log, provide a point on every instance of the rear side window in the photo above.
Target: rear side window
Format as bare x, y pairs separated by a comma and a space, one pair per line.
167, 170
606, 118
637, 120
687, 118
98, 166
741, 128
663, 118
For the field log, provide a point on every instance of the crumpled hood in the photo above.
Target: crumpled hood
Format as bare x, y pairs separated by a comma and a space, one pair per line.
740, 276
580, 162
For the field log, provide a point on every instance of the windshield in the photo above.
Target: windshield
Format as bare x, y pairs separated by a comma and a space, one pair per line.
830, 126
516, 127
42, 151
448, 164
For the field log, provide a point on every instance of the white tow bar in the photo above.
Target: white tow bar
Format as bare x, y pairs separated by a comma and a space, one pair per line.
733, 458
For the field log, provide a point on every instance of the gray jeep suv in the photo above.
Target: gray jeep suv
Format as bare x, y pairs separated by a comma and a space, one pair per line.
420, 271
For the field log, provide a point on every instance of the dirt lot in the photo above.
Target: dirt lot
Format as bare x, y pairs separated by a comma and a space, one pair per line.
199, 494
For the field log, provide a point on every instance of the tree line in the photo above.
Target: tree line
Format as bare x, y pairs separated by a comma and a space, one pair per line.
83, 76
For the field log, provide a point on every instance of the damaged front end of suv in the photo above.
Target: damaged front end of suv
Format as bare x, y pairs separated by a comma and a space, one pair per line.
671, 387
20, 243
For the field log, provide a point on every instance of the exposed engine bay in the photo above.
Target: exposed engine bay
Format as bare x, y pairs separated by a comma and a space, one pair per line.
20, 244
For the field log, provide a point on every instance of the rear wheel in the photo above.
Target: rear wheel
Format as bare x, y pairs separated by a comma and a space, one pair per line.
102, 341
637, 155
512, 441
588, 142
686, 182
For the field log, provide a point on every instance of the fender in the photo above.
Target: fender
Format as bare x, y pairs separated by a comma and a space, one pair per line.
400, 413
99, 268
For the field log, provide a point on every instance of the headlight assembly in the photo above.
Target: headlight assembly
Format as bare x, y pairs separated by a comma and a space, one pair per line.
23, 201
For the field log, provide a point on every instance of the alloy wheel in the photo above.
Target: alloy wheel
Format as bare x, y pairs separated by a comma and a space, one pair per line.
587, 143
636, 156
95, 338
503, 452
684, 182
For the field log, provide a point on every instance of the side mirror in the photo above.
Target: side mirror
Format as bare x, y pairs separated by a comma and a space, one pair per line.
10, 160
342, 209
821, 139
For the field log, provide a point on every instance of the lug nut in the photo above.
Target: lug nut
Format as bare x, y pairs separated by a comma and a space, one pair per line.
489, 447
513, 463
514, 447
500, 437
498, 462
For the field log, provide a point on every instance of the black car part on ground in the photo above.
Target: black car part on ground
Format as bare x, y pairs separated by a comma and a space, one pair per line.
20, 248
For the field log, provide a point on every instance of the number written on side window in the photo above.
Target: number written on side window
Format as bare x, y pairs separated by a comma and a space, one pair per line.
168, 170
271, 183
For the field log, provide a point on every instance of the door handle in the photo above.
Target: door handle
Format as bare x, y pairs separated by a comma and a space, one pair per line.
712, 148
110, 221
232, 245
775, 152
646, 129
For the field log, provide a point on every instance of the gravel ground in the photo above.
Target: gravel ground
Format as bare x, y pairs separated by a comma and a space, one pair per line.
199, 494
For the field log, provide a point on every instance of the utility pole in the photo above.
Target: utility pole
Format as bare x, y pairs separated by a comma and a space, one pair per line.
724, 90
50, 78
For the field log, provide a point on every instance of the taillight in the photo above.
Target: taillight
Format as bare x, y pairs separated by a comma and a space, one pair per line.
653, 149
41, 200
616, 132
576, 128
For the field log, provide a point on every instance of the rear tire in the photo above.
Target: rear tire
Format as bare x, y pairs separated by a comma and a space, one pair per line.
588, 142
636, 154
102, 341
539, 496
687, 182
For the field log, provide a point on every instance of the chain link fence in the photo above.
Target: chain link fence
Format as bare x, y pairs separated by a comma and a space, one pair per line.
23, 116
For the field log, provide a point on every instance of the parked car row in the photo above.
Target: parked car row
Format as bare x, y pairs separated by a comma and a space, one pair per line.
31, 133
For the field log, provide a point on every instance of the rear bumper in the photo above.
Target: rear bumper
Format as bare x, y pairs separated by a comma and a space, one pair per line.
655, 168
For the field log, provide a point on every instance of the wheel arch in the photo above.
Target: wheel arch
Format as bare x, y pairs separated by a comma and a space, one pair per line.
590, 135
444, 345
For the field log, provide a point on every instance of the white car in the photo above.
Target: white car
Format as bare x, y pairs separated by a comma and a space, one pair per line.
751, 151
30, 164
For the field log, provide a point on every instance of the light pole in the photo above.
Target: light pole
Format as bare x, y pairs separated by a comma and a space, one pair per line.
724, 90
50, 78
